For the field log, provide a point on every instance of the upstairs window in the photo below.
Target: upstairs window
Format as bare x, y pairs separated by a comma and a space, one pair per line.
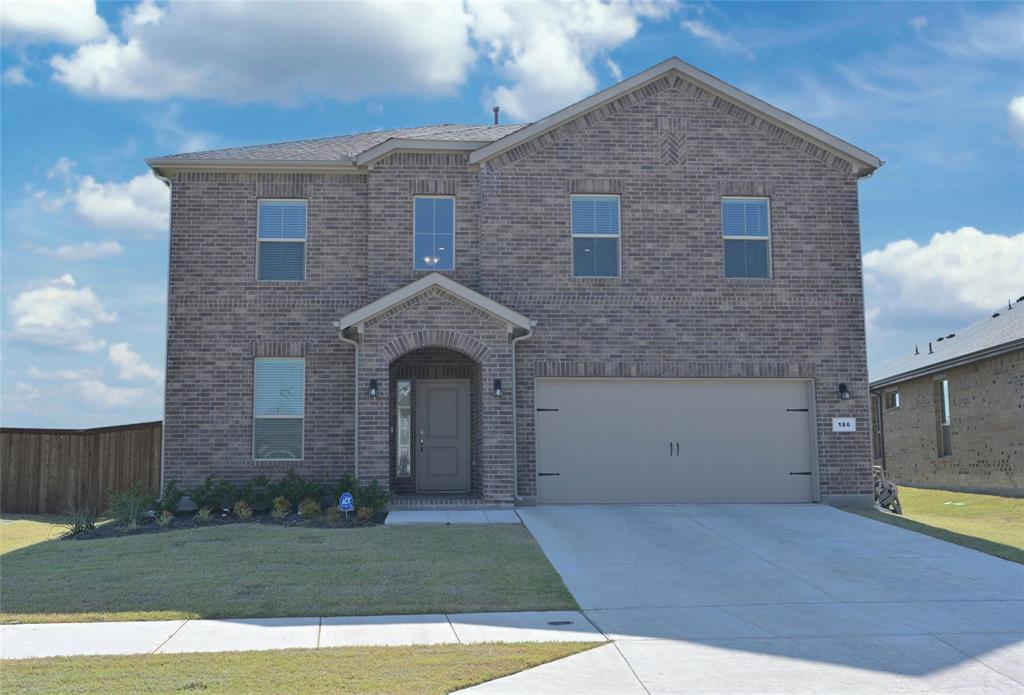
434, 233
943, 423
282, 240
278, 408
595, 236
746, 229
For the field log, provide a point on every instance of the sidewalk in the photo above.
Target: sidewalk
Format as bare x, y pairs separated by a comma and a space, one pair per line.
255, 634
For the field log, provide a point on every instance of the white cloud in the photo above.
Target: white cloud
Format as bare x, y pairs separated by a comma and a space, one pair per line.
998, 34
956, 273
60, 314
546, 49
15, 76
289, 53
139, 205
88, 386
279, 52
614, 69
36, 21
1016, 109
130, 364
918, 22
27, 392
77, 252
718, 39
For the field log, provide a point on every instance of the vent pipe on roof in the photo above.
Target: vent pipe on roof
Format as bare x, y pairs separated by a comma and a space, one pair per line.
916, 351
1009, 305
496, 109
930, 351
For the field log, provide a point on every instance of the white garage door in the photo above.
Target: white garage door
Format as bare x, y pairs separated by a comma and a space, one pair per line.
674, 440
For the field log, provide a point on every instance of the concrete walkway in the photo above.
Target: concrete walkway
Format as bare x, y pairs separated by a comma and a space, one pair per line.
775, 599
256, 634
455, 516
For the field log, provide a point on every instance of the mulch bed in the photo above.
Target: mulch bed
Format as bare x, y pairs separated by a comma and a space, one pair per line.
188, 521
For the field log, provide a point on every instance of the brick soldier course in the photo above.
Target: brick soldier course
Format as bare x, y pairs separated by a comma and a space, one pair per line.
668, 142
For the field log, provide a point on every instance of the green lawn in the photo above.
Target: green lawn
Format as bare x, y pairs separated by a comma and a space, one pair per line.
250, 570
991, 524
351, 670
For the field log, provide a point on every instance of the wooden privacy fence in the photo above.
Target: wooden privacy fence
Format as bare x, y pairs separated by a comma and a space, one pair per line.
52, 471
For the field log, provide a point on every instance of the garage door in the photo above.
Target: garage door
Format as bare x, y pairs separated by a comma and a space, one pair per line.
674, 440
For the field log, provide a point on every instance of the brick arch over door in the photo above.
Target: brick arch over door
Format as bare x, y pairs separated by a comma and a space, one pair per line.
435, 338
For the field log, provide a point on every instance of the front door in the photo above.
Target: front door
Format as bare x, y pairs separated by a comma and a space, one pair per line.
442, 436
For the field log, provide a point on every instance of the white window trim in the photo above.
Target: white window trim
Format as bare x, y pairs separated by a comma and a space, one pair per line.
255, 417
574, 235
303, 240
454, 227
746, 237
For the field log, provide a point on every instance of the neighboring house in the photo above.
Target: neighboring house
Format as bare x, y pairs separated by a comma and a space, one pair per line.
653, 295
952, 414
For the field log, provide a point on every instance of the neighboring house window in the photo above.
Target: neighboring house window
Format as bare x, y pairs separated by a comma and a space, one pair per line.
282, 240
278, 408
944, 428
892, 400
434, 233
876, 426
595, 236
746, 229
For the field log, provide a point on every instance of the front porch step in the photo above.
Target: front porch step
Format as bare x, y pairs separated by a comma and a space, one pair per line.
442, 502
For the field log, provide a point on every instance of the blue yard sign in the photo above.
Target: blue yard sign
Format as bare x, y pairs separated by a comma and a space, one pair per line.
345, 502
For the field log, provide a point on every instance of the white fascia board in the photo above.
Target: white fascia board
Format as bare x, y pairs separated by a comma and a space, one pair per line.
415, 145
865, 162
462, 292
164, 165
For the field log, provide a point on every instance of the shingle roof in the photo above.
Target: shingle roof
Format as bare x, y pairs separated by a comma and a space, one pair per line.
343, 147
987, 334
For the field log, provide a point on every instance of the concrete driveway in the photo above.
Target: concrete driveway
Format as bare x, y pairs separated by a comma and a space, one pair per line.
779, 598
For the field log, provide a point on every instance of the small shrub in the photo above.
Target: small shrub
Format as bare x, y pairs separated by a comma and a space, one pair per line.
131, 506
281, 508
80, 520
373, 496
296, 488
203, 515
214, 493
171, 497
242, 510
365, 513
309, 509
165, 518
333, 514
258, 492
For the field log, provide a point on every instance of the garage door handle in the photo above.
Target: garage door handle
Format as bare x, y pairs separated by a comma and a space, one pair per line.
796, 410
799, 472
540, 475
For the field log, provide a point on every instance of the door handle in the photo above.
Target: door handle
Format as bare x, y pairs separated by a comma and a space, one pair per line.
677, 448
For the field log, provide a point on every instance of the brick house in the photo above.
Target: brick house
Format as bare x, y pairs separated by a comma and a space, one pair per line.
951, 415
653, 295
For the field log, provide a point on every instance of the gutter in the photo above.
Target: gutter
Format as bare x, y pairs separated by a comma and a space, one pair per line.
355, 397
167, 334
948, 364
515, 407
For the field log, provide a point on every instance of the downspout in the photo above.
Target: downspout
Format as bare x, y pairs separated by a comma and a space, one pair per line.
167, 336
515, 407
355, 396
880, 404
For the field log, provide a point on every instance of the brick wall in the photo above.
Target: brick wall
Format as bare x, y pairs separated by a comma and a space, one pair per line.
668, 150
986, 405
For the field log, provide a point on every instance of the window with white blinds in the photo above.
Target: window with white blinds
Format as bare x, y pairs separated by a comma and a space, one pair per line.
746, 229
595, 235
282, 240
279, 396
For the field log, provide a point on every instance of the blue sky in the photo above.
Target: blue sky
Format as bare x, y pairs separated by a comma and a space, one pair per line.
936, 90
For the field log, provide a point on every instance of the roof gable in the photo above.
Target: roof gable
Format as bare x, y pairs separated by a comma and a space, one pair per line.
707, 88
499, 311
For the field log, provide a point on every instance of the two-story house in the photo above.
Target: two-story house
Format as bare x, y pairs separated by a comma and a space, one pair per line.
653, 295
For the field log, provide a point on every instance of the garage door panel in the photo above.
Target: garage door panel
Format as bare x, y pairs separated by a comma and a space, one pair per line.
613, 440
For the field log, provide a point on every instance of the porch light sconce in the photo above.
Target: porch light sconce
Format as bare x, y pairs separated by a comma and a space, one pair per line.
497, 388
844, 392
373, 388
